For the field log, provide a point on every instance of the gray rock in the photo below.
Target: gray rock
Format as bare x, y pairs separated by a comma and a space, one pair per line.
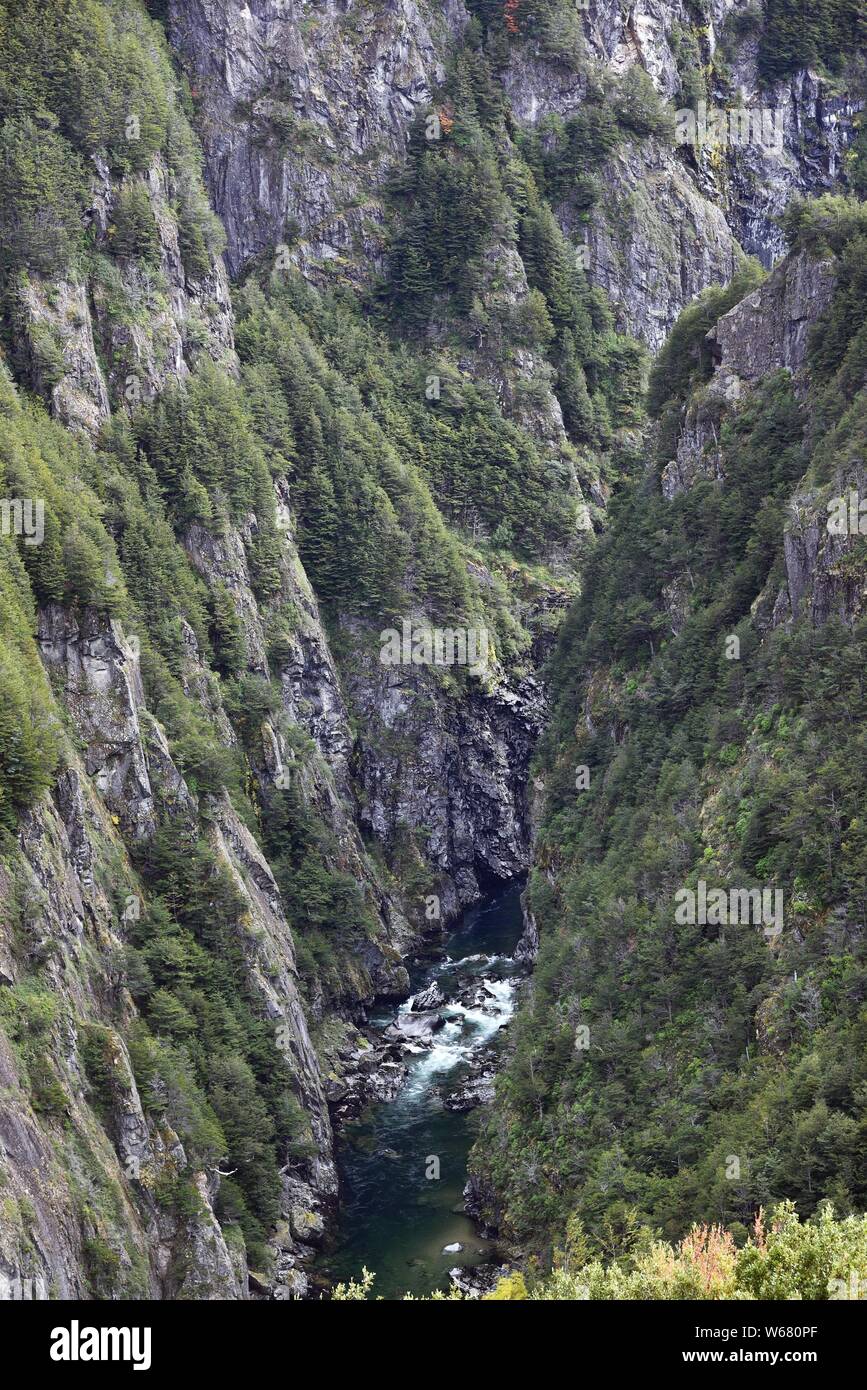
430, 998
477, 1280
414, 1028
479, 1090
769, 329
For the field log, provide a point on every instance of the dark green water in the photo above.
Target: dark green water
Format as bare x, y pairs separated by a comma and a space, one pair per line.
396, 1219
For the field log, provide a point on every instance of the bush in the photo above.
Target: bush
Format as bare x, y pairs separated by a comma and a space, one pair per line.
818, 1260
639, 107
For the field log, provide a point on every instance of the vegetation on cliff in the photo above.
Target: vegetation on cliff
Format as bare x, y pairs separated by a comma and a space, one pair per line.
183, 467
667, 1071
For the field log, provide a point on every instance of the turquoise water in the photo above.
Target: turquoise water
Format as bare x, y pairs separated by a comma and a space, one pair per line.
397, 1215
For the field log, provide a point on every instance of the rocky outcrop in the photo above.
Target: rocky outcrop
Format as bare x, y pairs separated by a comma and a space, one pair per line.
154, 318
311, 703
127, 773
340, 84
476, 1281
527, 948
674, 218
367, 1070
655, 242
416, 1029
269, 954
475, 1091
769, 329
80, 1169
309, 680
461, 790
102, 689
823, 576
698, 452
431, 997
59, 353
129, 319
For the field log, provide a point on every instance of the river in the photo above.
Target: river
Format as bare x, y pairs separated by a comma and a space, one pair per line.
403, 1163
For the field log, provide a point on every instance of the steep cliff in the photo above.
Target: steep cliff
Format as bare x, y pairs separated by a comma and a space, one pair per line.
344, 82
706, 729
324, 334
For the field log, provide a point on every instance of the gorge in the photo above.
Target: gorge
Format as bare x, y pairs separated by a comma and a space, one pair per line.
404, 1170
414, 575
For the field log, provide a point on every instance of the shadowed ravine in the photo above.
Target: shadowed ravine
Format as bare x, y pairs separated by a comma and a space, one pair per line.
395, 1219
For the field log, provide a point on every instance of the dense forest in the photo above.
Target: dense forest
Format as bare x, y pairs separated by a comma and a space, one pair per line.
708, 1051
431, 397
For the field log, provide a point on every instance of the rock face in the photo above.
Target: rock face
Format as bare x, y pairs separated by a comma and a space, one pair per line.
658, 242
341, 82
103, 692
121, 335
125, 768
62, 319
343, 85
751, 181
674, 217
819, 580
770, 328
270, 958
50, 1231
767, 331
464, 783
528, 947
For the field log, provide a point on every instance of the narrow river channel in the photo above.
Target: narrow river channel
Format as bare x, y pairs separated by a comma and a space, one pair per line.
398, 1217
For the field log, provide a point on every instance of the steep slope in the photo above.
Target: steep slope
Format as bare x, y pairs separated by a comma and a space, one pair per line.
660, 219
678, 1063
237, 784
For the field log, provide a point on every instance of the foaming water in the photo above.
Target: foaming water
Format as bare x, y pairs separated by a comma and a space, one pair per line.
397, 1215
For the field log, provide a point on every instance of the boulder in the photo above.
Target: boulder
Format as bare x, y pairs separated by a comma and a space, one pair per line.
430, 998
412, 1027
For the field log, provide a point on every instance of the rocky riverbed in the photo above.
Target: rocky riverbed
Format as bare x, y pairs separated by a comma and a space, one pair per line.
403, 1114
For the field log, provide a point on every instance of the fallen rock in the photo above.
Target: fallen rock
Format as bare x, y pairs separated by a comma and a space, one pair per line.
411, 1027
430, 998
477, 1090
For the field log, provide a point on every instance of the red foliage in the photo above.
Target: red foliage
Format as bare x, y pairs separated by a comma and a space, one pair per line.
509, 14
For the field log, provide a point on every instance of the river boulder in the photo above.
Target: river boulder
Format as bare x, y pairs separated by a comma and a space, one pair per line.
414, 1027
430, 998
